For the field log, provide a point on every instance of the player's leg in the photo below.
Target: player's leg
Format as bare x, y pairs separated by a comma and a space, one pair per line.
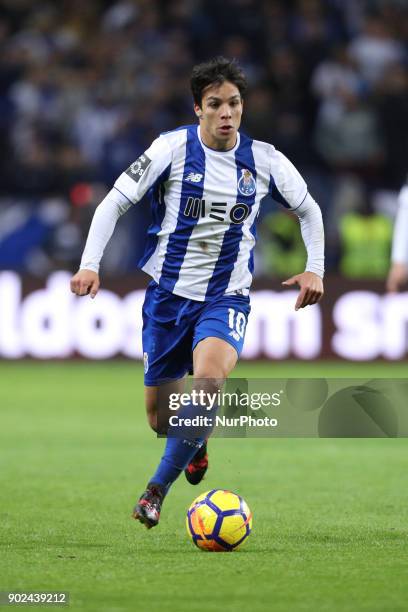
214, 360
218, 341
167, 340
181, 446
214, 322
148, 508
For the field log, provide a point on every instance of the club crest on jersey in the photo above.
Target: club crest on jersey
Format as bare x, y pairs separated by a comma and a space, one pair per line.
246, 184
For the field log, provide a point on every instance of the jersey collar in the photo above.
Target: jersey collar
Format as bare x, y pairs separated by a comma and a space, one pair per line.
209, 149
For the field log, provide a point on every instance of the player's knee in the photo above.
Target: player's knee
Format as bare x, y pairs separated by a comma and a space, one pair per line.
209, 384
211, 374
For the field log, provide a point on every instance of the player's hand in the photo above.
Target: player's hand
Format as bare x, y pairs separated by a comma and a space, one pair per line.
397, 277
85, 282
311, 288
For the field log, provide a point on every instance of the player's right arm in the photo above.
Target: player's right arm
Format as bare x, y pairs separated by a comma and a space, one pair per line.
398, 274
129, 188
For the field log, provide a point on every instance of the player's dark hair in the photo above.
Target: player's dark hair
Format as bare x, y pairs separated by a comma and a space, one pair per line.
215, 72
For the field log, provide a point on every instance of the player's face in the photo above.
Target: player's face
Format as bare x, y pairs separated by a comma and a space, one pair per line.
220, 115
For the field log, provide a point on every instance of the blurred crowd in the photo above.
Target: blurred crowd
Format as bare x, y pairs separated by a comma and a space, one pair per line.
86, 86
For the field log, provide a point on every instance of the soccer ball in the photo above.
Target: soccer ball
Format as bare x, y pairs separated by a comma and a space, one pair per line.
219, 521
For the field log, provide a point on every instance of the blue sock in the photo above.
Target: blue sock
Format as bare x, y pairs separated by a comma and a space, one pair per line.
177, 455
181, 446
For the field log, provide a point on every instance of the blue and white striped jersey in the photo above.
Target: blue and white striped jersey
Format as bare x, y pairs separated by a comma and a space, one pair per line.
205, 204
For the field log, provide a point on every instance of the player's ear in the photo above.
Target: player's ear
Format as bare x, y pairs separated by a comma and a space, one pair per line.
198, 110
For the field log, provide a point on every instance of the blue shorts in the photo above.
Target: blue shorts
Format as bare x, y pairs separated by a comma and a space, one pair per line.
173, 326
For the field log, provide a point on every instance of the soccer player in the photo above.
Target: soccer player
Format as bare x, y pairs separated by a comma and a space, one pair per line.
398, 274
206, 181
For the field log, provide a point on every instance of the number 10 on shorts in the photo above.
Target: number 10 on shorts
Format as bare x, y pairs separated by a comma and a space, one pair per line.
237, 323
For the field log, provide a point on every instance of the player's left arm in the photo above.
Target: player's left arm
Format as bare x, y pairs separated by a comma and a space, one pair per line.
311, 280
291, 190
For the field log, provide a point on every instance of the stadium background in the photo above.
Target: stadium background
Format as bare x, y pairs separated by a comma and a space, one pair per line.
84, 88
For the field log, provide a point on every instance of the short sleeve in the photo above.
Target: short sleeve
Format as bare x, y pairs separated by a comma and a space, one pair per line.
145, 171
286, 185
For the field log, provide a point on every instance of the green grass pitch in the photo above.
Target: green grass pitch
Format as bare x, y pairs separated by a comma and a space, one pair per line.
330, 526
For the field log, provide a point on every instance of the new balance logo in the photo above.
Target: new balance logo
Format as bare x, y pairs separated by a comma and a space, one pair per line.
194, 178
